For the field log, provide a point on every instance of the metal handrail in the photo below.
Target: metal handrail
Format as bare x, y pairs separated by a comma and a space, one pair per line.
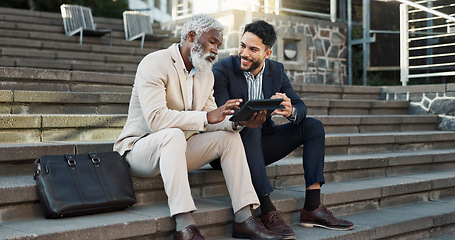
434, 12
433, 55
432, 36
430, 46
435, 60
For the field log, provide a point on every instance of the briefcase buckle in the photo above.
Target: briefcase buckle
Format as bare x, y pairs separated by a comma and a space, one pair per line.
71, 162
96, 160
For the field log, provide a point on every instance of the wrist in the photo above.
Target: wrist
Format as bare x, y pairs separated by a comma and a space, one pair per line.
293, 115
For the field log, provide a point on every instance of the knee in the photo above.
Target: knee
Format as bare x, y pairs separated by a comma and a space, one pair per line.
229, 141
253, 134
174, 136
314, 127
230, 144
232, 138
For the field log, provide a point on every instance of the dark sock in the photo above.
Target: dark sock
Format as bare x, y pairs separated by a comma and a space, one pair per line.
312, 199
266, 205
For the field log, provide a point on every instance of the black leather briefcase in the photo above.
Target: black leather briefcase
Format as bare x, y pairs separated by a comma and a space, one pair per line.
79, 184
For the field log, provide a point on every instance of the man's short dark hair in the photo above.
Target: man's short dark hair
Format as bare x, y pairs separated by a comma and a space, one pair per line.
263, 30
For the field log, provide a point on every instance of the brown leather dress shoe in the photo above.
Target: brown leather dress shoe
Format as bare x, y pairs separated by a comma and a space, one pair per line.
275, 223
189, 233
253, 228
322, 217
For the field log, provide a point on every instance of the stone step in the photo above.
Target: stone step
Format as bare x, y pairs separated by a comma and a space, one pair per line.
27, 16
39, 128
22, 88
63, 80
355, 107
70, 127
52, 18
337, 91
449, 236
12, 30
11, 74
285, 174
55, 102
76, 65
52, 102
376, 123
57, 33
68, 56
348, 167
336, 144
384, 142
214, 214
10, 39
426, 220
22, 47
49, 26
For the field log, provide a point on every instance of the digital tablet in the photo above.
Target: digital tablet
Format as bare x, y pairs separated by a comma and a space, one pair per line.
253, 106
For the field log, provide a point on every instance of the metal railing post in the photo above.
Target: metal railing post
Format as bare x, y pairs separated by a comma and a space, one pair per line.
366, 35
349, 41
404, 44
333, 10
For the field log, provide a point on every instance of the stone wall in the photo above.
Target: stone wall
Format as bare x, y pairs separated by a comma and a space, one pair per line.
427, 99
312, 50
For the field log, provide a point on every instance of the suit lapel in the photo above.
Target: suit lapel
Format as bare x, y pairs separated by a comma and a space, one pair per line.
266, 81
179, 67
240, 78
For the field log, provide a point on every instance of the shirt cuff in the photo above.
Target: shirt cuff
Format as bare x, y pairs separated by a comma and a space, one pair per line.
205, 122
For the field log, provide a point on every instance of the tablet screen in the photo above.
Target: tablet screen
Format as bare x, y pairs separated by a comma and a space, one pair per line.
252, 106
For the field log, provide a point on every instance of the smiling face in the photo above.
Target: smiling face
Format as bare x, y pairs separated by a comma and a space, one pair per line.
204, 51
252, 53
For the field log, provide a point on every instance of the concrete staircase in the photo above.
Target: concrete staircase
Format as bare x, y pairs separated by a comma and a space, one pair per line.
390, 173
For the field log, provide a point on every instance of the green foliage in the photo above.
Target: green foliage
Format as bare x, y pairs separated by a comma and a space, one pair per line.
100, 8
357, 57
383, 78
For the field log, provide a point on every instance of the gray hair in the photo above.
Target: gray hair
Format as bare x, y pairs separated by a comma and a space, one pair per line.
199, 24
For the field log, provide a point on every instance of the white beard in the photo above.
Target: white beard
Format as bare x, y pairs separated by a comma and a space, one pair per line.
199, 59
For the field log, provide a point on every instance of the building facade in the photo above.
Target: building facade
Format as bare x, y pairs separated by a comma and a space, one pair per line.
312, 49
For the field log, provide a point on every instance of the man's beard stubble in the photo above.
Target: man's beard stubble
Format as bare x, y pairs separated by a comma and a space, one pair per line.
254, 64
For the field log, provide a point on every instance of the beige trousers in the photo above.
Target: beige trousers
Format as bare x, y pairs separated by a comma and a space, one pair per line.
169, 153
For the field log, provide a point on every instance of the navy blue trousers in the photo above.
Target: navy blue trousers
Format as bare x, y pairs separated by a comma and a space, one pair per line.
263, 149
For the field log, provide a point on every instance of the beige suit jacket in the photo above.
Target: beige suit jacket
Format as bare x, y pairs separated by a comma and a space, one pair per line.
158, 99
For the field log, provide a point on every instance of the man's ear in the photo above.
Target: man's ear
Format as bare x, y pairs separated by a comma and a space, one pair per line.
191, 36
268, 52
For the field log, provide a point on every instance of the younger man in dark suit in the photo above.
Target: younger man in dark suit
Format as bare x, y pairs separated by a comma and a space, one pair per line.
251, 75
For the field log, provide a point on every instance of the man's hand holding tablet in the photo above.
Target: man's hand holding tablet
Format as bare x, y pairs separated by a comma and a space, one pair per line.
258, 106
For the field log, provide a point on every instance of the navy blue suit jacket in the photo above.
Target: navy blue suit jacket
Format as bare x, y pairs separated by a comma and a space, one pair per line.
230, 83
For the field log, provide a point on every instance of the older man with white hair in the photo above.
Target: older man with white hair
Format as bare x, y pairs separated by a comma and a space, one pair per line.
174, 126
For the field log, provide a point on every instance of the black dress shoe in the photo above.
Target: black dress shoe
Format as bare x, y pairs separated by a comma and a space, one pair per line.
189, 233
275, 223
322, 217
254, 229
